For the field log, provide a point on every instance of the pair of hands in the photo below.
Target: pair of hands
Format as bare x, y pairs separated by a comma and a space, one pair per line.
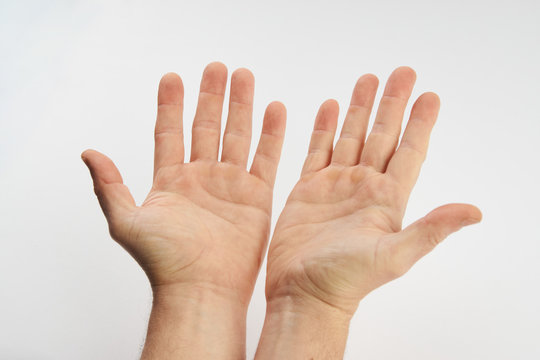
202, 232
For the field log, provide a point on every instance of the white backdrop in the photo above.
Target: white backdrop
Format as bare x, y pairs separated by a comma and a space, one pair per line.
75, 75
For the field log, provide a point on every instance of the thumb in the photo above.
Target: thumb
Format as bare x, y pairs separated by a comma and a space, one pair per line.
422, 236
114, 197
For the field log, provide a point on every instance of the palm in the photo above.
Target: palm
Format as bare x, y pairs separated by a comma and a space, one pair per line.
342, 194
337, 218
191, 212
336, 237
206, 222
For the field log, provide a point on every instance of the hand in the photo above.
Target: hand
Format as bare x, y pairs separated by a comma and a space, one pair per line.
339, 235
204, 226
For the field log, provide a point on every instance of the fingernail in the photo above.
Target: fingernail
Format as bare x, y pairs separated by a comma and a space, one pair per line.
470, 221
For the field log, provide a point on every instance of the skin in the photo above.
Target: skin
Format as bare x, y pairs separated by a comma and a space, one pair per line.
201, 233
340, 234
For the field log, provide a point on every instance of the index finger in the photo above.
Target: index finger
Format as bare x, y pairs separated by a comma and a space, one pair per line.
407, 161
169, 139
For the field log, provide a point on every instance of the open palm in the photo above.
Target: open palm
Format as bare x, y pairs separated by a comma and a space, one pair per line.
206, 222
339, 235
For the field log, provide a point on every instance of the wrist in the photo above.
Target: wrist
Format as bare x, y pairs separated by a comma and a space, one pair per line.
307, 307
197, 294
195, 322
300, 327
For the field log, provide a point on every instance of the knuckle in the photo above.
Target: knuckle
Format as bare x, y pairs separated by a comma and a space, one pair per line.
433, 239
433, 235
394, 270
389, 262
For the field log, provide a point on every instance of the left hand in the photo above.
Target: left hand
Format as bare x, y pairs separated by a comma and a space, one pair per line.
339, 235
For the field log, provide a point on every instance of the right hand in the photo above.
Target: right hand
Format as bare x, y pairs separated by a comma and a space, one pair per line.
205, 223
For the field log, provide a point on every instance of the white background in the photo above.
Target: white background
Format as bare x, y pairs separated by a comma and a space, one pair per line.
75, 75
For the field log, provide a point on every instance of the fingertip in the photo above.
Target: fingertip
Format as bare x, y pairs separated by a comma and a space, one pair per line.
171, 89
405, 73
365, 91
275, 117
458, 214
331, 104
277, 107
475, 215
329, 109
242, 86
87, 154
430, 98
327, 116
370, 79
84, 154
170, 78
215, 68
426, 107
433, 95
243, 75
214, 79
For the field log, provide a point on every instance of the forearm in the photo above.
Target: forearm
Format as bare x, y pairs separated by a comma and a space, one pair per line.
195, 323
302, 329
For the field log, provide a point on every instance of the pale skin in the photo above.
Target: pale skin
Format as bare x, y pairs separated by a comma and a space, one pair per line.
340, 234
202, 231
